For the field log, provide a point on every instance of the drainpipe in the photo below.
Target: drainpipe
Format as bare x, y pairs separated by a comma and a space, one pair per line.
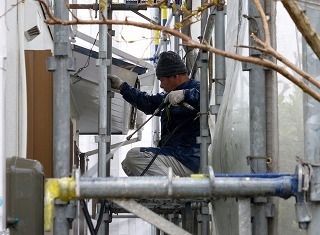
22, 85
3, 55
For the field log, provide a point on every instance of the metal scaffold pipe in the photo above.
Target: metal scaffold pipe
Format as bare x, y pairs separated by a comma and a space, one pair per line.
311, 64
184, 187
61, 64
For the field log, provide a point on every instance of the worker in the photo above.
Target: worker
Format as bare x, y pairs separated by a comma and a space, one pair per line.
180, 126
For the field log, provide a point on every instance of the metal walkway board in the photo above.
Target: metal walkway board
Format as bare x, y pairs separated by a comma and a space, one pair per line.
151, 217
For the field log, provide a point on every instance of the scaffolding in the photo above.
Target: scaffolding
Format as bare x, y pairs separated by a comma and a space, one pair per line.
191, 196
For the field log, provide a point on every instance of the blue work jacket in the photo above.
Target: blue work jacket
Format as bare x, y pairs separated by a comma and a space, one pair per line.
178, 121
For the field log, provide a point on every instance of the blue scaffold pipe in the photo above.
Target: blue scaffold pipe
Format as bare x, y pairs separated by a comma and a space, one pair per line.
267, 175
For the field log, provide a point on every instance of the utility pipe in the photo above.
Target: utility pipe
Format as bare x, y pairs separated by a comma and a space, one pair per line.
22, 85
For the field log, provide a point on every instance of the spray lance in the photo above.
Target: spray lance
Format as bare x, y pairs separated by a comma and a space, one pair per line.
110, 154
157, 111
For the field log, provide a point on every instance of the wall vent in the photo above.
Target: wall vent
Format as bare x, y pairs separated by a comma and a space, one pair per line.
32, 33
32, 24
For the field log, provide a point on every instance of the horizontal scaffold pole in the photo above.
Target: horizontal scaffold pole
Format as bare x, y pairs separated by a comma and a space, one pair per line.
200, 186
186, 187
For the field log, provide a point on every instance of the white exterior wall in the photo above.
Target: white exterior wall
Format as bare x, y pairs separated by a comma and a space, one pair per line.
12, 83
17, 20
44, 40
3, 55
13, 108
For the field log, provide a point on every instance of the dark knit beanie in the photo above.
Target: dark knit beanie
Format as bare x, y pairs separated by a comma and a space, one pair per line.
170, 64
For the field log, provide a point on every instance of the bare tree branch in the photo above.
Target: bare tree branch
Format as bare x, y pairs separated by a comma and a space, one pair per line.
12, 6
314, 5
303, 25
188, 42
269, 50
264, 23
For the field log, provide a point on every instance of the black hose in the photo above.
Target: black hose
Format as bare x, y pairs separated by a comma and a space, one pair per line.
93, 231
100, 217
87, 216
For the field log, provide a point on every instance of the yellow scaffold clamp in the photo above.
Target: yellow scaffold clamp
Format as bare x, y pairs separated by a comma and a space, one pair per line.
62, 189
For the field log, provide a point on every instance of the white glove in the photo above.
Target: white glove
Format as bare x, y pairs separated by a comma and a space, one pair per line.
174, 97
116, 82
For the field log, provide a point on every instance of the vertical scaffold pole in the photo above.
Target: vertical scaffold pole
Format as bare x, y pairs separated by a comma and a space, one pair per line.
272, 133
202, 63
155, 16
204, 217
220, 61
311, 108
61, 112
164, 20
104, 137
257, 108
204, 131
177, 39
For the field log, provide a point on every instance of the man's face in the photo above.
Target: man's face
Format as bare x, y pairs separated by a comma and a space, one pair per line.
167, 83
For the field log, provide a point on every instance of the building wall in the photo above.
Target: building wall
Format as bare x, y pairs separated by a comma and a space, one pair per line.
3, 55
18, 19
12, 84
